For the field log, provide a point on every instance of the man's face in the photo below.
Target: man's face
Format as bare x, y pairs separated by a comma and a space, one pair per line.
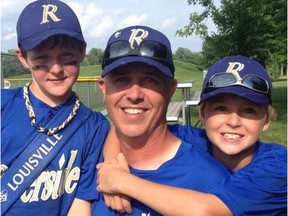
136, 98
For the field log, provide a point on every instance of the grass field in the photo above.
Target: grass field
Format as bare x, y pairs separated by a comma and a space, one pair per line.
277, 133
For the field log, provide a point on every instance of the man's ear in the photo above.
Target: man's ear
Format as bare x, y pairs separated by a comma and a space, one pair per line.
101, 85
173, 88
21, 58
201, 114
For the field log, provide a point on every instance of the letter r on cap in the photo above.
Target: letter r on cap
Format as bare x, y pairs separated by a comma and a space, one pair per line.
235, 68
49, 11
136, 37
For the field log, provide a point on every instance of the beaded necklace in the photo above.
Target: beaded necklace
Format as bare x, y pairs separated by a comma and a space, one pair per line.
48, 131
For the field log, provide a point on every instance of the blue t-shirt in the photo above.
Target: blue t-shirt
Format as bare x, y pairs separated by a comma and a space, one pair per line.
260, 188
70, 174
189, 169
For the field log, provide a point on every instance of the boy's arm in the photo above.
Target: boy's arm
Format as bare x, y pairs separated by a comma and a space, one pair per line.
80, 207
111, 149
114, 178
112, 145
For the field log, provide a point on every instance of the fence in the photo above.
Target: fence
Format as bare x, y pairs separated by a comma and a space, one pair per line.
85, 87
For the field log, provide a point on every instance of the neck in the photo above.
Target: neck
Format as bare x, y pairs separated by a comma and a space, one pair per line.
236, 161
150, 152
31, 113
47, 98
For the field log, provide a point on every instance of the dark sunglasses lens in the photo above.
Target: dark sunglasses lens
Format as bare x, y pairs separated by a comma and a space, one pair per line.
117, 49
223, 79
255, 83
153, 49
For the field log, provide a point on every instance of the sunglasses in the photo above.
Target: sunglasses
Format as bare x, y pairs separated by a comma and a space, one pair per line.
250, 81
147, 48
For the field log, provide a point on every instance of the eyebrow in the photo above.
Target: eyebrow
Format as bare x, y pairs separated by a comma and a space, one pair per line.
40, 57
67, 54
45, 56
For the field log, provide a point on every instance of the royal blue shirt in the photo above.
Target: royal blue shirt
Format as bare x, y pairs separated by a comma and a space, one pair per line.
259, 188
189, 169
70, 174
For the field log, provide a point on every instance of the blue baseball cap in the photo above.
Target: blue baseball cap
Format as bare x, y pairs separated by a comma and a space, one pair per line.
238, 75
139, 44
44, 18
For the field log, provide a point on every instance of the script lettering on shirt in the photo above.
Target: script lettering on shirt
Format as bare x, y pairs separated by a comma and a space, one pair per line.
53, 184
34, 161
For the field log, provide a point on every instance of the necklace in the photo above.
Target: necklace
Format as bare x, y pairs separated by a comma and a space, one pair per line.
48, 131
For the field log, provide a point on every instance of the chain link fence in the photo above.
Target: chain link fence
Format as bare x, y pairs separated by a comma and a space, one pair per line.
85, 87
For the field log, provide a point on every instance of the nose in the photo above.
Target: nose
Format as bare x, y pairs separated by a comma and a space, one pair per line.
56, 67
234, 120
135, 93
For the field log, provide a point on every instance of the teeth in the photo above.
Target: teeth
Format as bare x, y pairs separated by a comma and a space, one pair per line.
231, 136
133, 111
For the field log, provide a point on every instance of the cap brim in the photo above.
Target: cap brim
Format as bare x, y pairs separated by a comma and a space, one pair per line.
33, 41
240, 91
141, 59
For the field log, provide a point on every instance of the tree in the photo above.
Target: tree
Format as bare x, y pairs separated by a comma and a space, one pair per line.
256, 29
11, 66
183, 54
94, 56
186, 55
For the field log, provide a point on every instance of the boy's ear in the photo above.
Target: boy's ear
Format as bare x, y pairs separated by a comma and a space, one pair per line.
83, 54
266, 125
201, 114
21, 58
202, 120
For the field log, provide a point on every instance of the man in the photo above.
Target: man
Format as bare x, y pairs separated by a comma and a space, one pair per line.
138, 84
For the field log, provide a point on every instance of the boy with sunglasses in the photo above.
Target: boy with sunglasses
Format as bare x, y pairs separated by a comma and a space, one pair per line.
49, 139
235, 108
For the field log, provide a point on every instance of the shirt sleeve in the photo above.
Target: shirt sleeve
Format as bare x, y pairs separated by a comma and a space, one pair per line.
260, 188
97, 131
195, 136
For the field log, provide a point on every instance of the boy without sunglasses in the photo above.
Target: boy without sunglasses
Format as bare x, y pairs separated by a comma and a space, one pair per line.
51, 46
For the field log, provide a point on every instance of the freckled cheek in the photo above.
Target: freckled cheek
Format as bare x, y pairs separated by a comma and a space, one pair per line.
254, 128
72, 70
214, 122
39, 75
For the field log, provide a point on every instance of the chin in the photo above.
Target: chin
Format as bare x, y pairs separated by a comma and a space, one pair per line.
231, 152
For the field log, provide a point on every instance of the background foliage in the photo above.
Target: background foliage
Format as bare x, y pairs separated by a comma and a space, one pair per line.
256, 29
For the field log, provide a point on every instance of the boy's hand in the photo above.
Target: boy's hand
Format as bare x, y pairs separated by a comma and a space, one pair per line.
120, 203
110, 178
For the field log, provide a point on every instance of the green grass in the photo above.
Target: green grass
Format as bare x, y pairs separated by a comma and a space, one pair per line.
278, 130
94, 70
